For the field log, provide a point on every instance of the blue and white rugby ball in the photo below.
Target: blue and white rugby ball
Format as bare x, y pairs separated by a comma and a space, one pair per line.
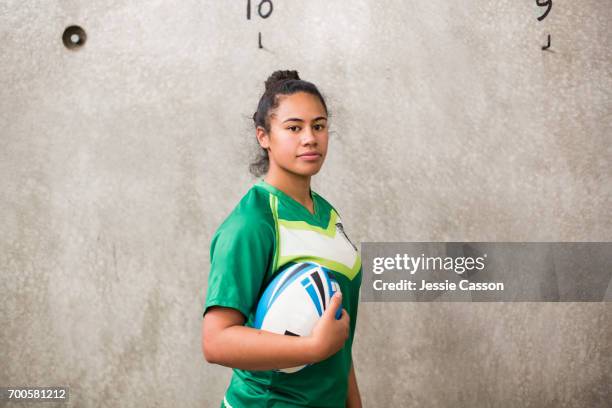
295, 301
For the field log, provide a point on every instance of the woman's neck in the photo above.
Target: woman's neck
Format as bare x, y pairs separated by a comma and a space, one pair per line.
295, 186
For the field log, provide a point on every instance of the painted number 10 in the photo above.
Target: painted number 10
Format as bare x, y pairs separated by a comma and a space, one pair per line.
264, 9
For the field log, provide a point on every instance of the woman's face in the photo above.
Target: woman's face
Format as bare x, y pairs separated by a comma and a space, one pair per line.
297, 142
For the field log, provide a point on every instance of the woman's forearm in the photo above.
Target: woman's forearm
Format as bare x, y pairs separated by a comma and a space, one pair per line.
248, 348
353, 399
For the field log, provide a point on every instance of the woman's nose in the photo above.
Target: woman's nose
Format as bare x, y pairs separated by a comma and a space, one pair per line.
308, 136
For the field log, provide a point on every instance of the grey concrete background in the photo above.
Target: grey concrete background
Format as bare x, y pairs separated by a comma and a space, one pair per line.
119, 160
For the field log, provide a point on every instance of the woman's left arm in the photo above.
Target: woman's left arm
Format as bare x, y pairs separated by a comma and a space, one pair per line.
353, 399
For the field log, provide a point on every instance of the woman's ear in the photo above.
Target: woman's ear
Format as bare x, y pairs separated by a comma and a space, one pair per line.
262, 137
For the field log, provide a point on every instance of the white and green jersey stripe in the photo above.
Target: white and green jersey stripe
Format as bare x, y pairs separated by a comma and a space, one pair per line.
266, 231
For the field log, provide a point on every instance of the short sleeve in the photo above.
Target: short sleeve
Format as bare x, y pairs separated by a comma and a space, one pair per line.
241, 253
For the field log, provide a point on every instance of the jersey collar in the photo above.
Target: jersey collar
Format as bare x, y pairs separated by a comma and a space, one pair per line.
288, 198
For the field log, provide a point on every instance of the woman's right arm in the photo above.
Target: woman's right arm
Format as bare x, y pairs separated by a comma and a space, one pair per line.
226, 341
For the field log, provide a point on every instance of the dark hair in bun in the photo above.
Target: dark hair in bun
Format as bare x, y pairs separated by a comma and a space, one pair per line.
279, 83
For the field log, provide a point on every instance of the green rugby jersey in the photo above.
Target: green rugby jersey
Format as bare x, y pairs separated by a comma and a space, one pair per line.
266, 231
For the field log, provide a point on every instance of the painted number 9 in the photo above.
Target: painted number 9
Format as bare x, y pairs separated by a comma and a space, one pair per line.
544, 3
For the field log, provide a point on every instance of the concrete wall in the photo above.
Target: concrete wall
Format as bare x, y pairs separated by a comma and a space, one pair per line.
118, 161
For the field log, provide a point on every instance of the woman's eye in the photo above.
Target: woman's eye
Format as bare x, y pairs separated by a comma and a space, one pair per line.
292, 127
320, 127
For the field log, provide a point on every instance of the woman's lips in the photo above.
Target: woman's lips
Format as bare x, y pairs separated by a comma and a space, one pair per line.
310, 156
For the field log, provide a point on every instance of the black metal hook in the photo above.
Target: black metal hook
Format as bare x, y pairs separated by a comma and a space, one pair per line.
547, 46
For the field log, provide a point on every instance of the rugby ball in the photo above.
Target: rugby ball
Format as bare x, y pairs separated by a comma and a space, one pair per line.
295, 300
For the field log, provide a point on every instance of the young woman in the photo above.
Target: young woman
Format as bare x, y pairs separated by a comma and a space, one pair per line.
278, 222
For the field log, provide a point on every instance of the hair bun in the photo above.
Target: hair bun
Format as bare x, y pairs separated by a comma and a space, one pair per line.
280, 76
